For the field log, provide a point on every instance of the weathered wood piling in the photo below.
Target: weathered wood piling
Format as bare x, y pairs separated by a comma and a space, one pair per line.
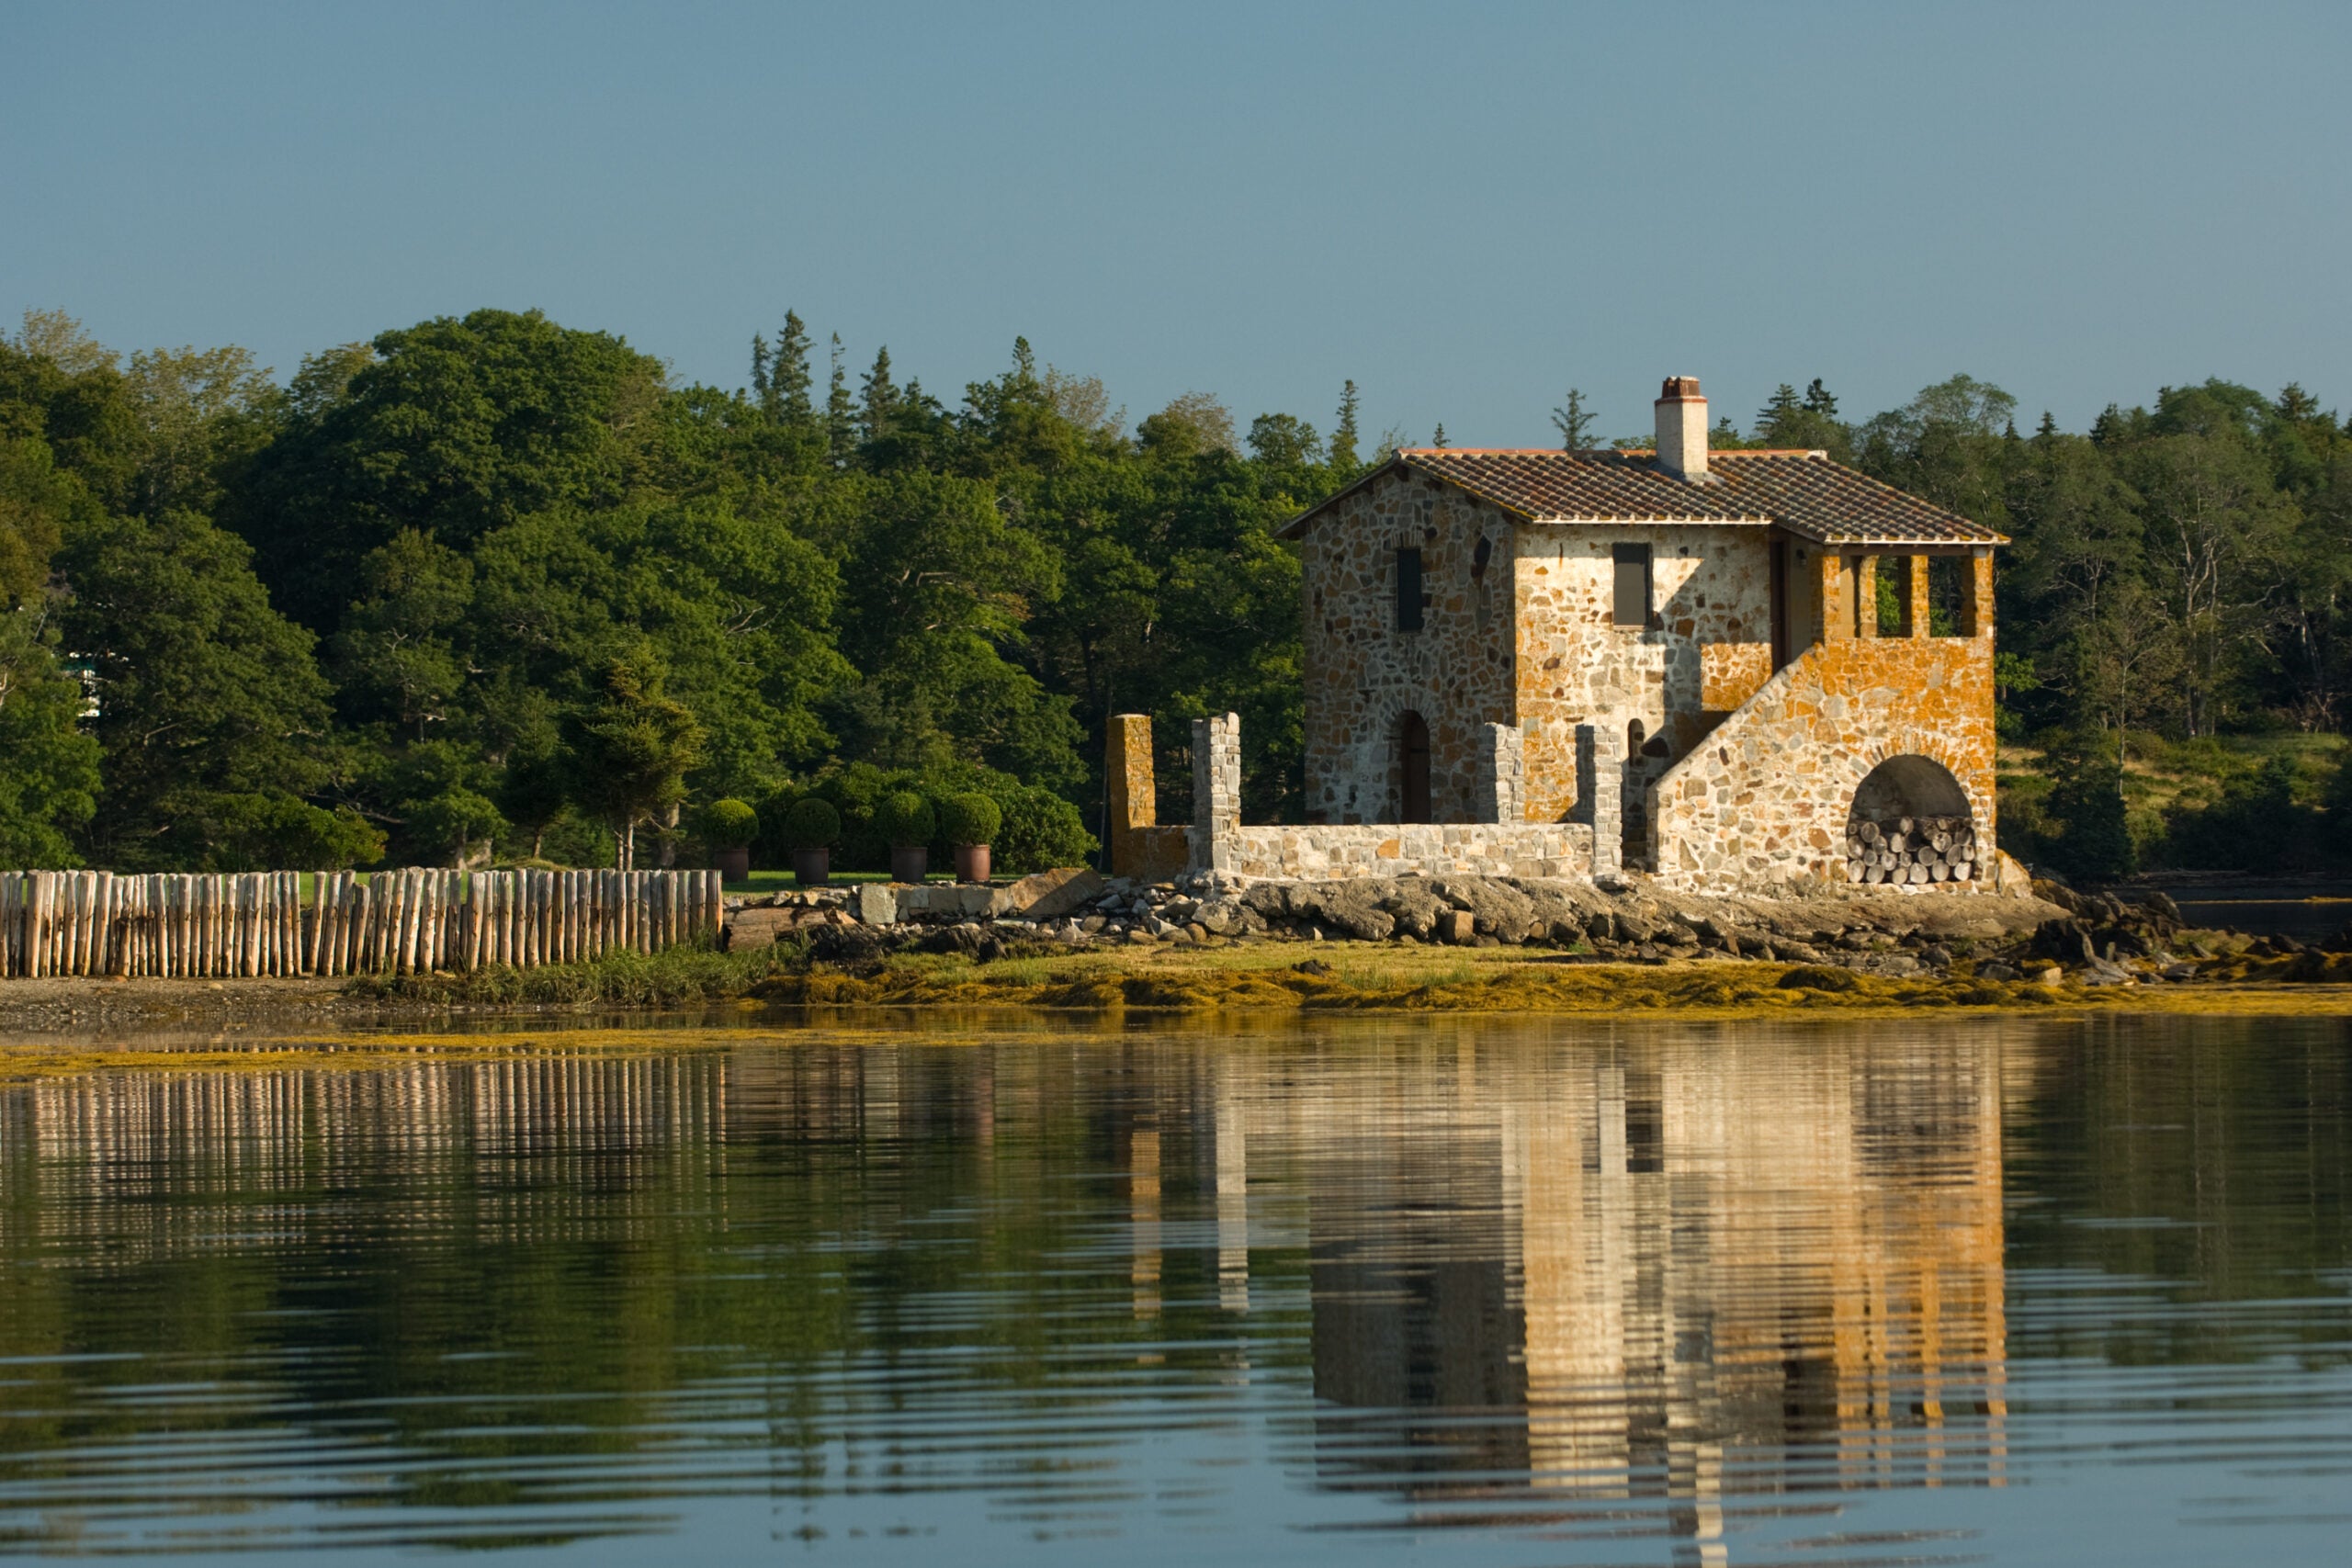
416, 921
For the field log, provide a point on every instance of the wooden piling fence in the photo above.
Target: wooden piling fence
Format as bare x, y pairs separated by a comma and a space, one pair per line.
411, 921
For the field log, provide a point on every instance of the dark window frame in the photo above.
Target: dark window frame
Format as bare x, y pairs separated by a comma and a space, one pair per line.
1620, 558
1411, 597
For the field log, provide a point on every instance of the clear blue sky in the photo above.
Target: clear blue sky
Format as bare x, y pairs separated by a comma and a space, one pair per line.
1464, 207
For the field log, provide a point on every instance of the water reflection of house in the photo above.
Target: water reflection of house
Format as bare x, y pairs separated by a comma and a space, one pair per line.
1625, 1273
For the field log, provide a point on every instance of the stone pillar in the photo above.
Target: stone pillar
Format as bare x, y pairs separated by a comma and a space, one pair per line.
1836, 597
1216, 792
1918, 589
1502, 773
1977, 594
1132, 788
1600, 796
1866, 597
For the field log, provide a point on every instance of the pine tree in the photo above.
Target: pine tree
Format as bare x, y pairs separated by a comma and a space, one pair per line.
1572, 420
1438, 439
877, 399
788, 377
841, 421
1819, 401
760, 368
1778, 418
1343, 438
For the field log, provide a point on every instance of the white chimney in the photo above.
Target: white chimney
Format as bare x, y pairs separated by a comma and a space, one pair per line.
1682, 429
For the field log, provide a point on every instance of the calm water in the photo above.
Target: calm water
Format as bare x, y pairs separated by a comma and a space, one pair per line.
1442, 1291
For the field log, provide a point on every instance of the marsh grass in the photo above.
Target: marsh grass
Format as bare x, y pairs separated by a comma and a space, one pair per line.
671, 978
1348, 977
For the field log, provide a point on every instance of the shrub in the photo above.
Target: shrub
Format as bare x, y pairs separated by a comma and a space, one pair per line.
811, 824
729, 824
970, 819
905, 817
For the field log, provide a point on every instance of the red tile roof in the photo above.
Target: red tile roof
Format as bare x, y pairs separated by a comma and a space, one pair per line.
1802, 491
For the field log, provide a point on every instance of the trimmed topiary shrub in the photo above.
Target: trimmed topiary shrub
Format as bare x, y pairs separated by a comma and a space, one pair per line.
905, 817
970, 819
811, 824
729, 824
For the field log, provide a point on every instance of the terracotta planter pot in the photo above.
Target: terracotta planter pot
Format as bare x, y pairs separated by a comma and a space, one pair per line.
971, 863
813, 868
910, 863
734, 865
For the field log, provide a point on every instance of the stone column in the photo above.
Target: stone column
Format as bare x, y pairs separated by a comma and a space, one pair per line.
1132, 787
1977, 591
1917, 587
1216, 792
1502, 773
1600, 791
1866, 597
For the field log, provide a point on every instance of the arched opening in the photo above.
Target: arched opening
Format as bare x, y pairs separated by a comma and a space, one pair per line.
1413, 754
1910, 826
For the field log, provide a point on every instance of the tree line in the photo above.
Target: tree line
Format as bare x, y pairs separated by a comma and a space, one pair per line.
491, 587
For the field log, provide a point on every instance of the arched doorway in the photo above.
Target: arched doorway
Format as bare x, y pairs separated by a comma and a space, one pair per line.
1910, 826
1413, 756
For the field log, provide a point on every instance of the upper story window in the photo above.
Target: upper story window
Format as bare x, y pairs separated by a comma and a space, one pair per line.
1629, 604
1408, 591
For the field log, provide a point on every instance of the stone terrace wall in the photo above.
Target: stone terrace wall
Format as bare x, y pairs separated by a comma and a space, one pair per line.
1561, 850
1504, 844
1763, 801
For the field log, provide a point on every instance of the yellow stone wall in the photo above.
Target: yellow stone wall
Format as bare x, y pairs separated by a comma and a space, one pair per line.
1708, 648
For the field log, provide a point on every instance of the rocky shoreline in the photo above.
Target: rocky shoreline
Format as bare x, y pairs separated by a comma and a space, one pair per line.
2054, 934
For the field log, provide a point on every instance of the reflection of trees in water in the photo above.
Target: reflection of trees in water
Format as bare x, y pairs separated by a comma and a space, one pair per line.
1682, 1263
2217, 1161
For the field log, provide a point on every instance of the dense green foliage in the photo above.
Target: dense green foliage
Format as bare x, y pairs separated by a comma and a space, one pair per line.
492, 587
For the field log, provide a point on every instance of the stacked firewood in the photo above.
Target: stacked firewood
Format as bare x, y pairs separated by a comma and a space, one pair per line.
1912, 851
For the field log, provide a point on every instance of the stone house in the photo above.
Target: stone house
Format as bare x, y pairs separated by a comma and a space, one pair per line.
1734, 669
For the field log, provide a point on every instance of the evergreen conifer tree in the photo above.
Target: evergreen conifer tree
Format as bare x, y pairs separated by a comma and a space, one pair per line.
1343, 437
841, 414
1573, 421
786, 393
877, 399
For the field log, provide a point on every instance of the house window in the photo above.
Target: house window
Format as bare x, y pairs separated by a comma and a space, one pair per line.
1630, 604
1408, 591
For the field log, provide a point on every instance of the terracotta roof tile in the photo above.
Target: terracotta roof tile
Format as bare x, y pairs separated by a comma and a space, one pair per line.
1802, 491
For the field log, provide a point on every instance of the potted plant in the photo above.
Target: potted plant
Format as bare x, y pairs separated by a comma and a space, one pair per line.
905, 823
971, 822
728, 827
811, 828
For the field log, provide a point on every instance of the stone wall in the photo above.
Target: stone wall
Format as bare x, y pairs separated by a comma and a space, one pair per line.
1706, 651
1138, 846
1561, 850
1765, 799
1362, 675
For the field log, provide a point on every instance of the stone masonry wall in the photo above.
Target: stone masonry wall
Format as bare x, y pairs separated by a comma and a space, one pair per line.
1138, 846
1562, 851
1707, 649
1764, 800
1362, 675
1498, 843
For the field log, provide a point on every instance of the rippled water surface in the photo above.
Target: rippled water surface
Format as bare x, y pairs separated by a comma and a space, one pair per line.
1463, 1291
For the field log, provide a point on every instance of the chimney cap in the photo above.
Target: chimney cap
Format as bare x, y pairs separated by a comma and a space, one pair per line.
1681, 388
